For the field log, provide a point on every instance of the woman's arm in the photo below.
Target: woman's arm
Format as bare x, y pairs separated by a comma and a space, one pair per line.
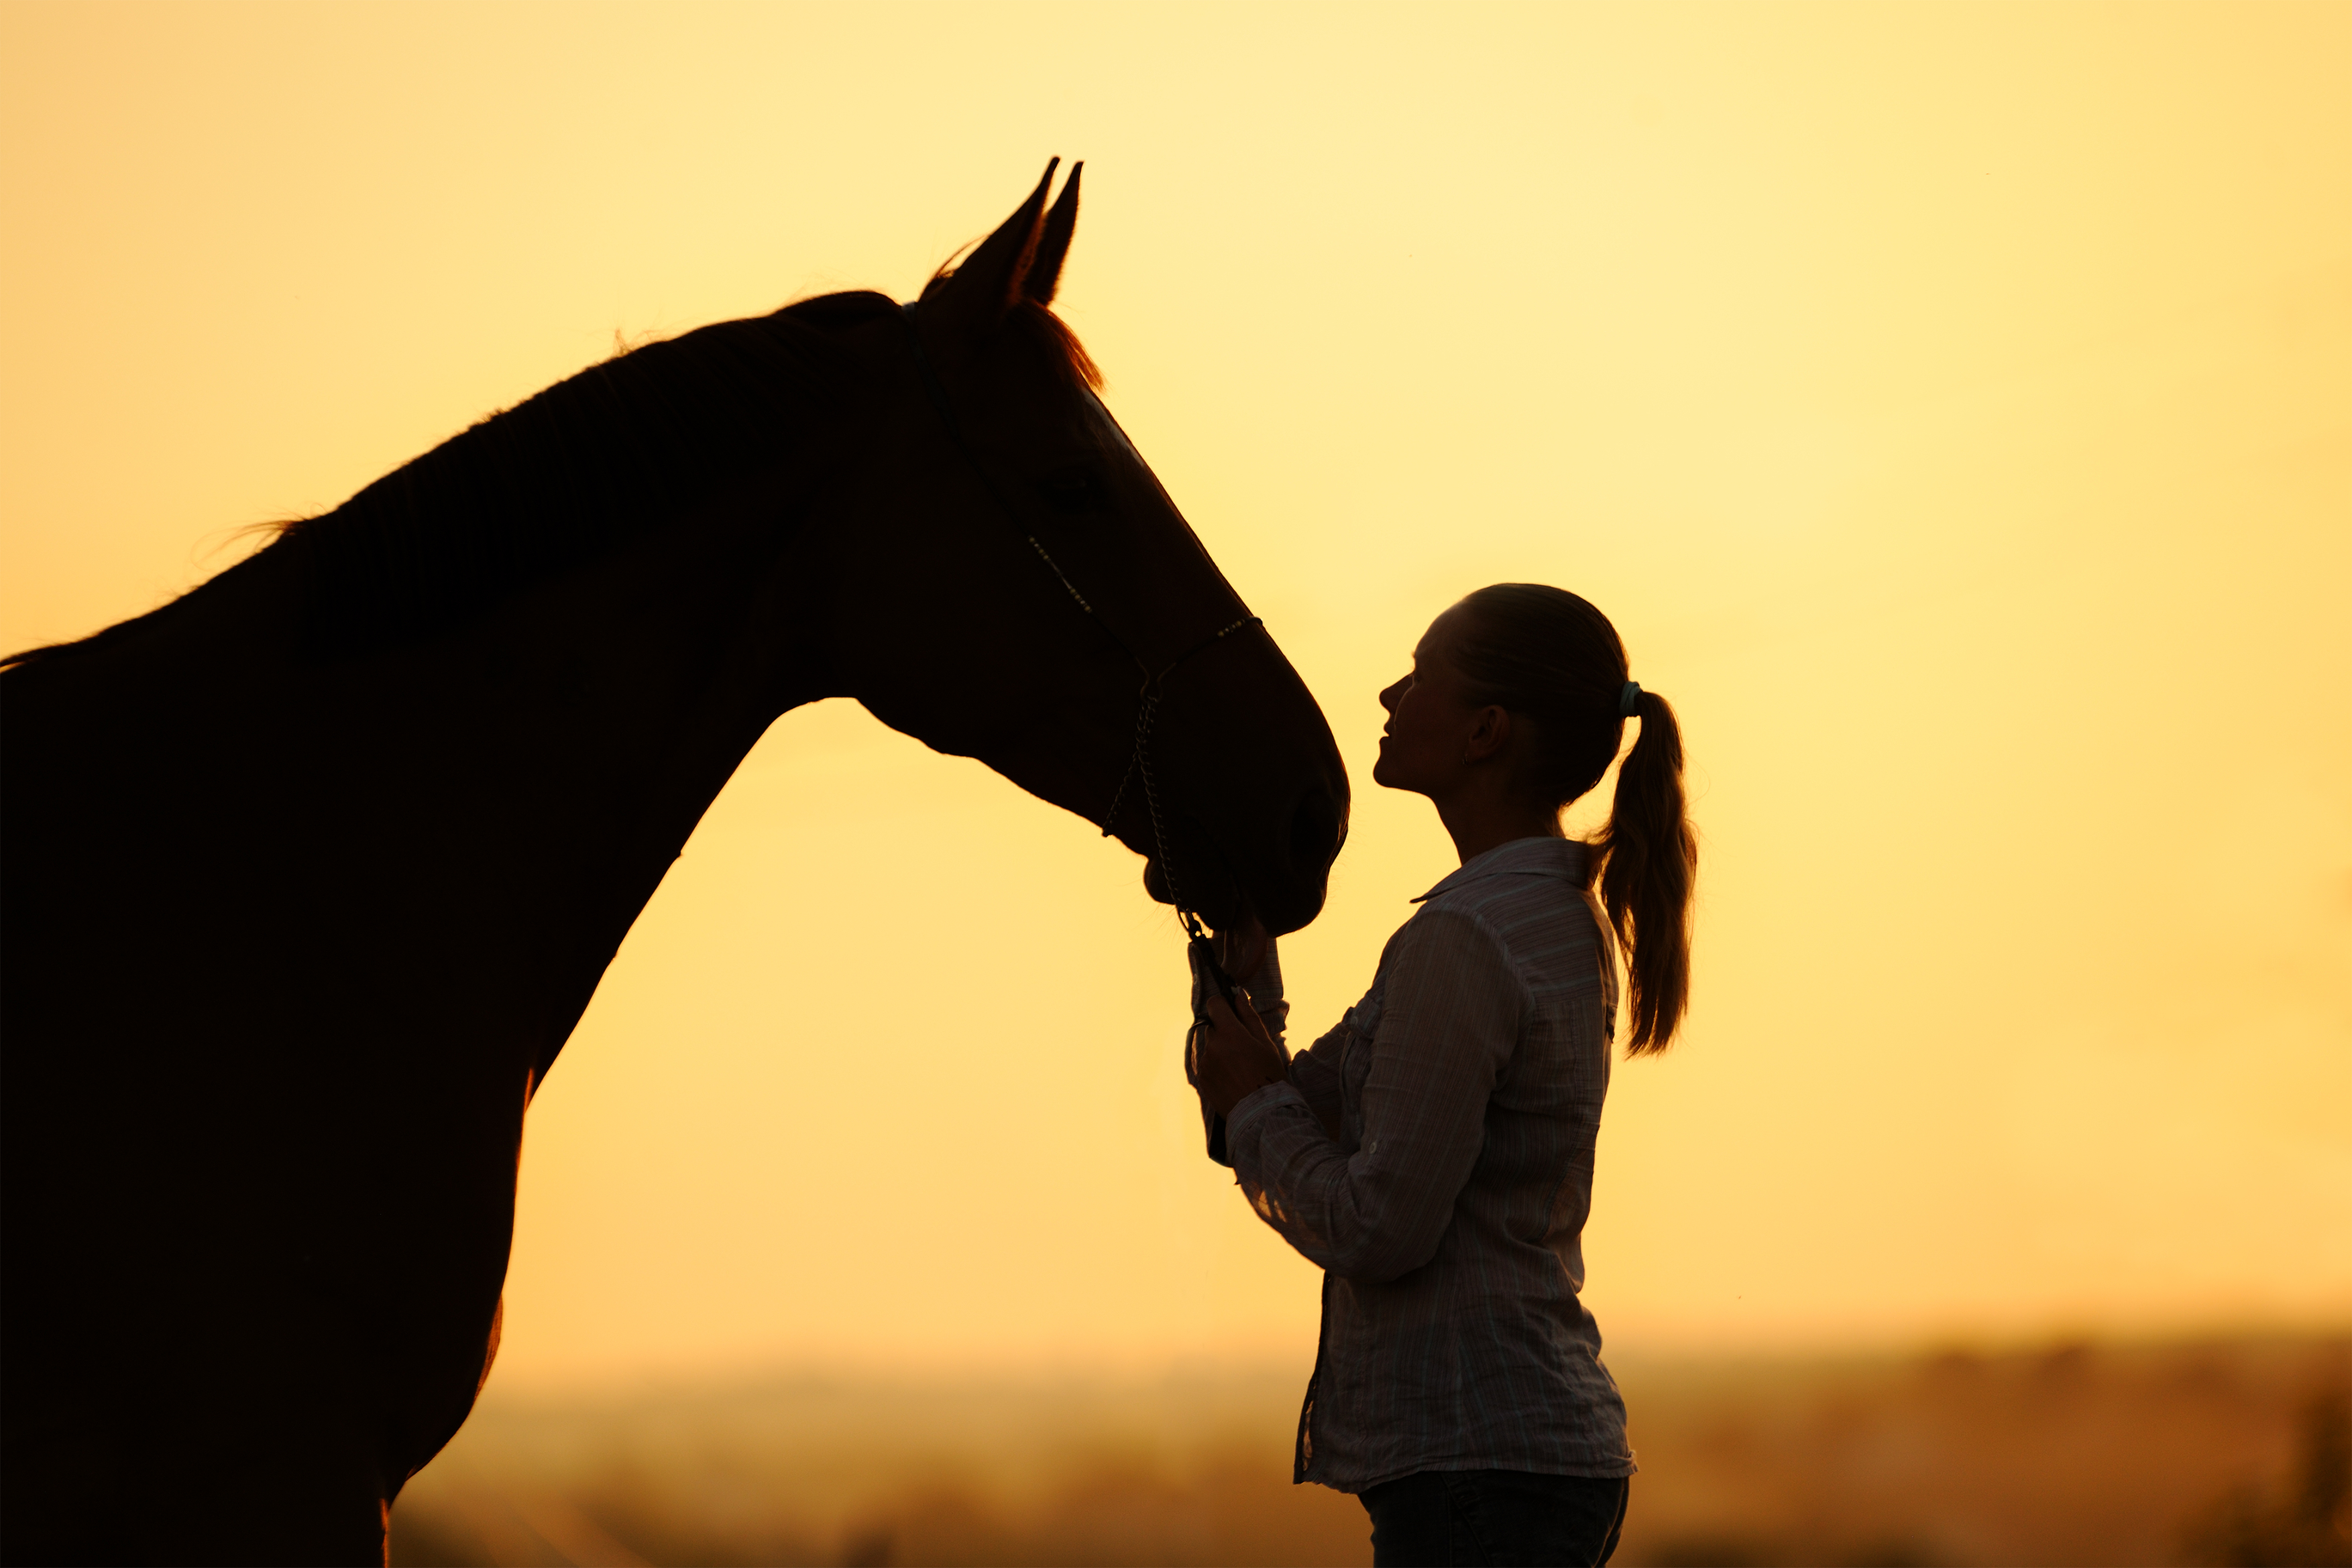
1236, 1054
1450, 1021
1315, 1073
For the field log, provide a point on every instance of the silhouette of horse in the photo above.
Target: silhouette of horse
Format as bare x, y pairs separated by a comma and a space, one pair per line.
311, 873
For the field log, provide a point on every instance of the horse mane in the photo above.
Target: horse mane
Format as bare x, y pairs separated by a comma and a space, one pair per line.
618, 450
615, 451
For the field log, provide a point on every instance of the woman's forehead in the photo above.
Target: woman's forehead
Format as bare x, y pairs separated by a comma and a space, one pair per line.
1441, 634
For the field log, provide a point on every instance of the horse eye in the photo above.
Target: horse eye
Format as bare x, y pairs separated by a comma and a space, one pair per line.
1073, 490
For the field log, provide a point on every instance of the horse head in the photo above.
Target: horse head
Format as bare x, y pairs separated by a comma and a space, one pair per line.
1022, 591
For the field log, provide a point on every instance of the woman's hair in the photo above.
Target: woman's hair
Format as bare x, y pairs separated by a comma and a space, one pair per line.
1553, 660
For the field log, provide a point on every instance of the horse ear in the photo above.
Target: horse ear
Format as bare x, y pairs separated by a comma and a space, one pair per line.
1053, 243
988, 284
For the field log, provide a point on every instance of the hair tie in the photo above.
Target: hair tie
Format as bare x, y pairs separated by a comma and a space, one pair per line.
1629, 700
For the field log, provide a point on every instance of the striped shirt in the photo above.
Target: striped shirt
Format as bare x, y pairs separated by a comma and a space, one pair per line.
1468, 1086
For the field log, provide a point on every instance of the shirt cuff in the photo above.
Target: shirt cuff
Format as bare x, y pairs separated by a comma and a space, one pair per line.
1257, 1100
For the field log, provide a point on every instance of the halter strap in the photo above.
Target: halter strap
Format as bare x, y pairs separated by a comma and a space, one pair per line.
938, 392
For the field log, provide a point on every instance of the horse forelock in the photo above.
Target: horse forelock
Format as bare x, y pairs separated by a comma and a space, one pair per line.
1052, 335
1035, 324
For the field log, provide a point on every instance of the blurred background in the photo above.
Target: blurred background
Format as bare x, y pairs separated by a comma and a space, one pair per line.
1952, 405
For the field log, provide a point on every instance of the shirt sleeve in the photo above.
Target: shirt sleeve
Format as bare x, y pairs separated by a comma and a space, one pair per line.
1315, 1073
1451, 1015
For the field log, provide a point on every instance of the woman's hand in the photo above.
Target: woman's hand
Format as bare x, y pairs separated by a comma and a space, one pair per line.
1241, 948
1232, 1057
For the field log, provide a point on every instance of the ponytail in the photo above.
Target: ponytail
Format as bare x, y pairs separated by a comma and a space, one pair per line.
1553, 659
1648, 857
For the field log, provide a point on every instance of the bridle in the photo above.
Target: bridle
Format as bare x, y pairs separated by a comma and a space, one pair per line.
1147, 705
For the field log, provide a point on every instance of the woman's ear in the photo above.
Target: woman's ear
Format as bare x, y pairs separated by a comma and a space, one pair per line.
1490, 733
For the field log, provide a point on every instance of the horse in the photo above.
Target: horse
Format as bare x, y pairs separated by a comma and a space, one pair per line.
311, 871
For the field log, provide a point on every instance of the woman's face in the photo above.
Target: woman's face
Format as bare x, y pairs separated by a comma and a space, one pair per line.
1423, 746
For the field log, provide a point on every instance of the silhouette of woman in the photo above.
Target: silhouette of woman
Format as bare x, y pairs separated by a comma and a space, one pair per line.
1435, 1151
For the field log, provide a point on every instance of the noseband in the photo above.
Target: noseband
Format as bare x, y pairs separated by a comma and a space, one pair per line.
1147, 708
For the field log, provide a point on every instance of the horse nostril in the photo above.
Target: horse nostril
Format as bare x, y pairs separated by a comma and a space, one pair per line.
1314, 833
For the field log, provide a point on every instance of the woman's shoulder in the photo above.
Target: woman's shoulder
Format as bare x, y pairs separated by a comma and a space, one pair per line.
1531, 907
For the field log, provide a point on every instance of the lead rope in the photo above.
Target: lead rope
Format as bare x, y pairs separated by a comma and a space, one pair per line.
1147, 709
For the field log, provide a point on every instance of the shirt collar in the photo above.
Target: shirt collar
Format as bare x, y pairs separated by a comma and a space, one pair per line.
1564, 858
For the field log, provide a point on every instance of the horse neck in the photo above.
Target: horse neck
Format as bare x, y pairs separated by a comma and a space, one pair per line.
573, 744
468, 822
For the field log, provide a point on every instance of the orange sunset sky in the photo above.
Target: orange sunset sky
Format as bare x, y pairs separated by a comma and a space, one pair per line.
1951, 404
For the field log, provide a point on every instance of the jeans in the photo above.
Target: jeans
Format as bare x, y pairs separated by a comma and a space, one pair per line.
1438, 1517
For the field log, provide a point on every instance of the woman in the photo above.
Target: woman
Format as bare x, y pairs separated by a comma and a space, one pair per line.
1433, 1152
